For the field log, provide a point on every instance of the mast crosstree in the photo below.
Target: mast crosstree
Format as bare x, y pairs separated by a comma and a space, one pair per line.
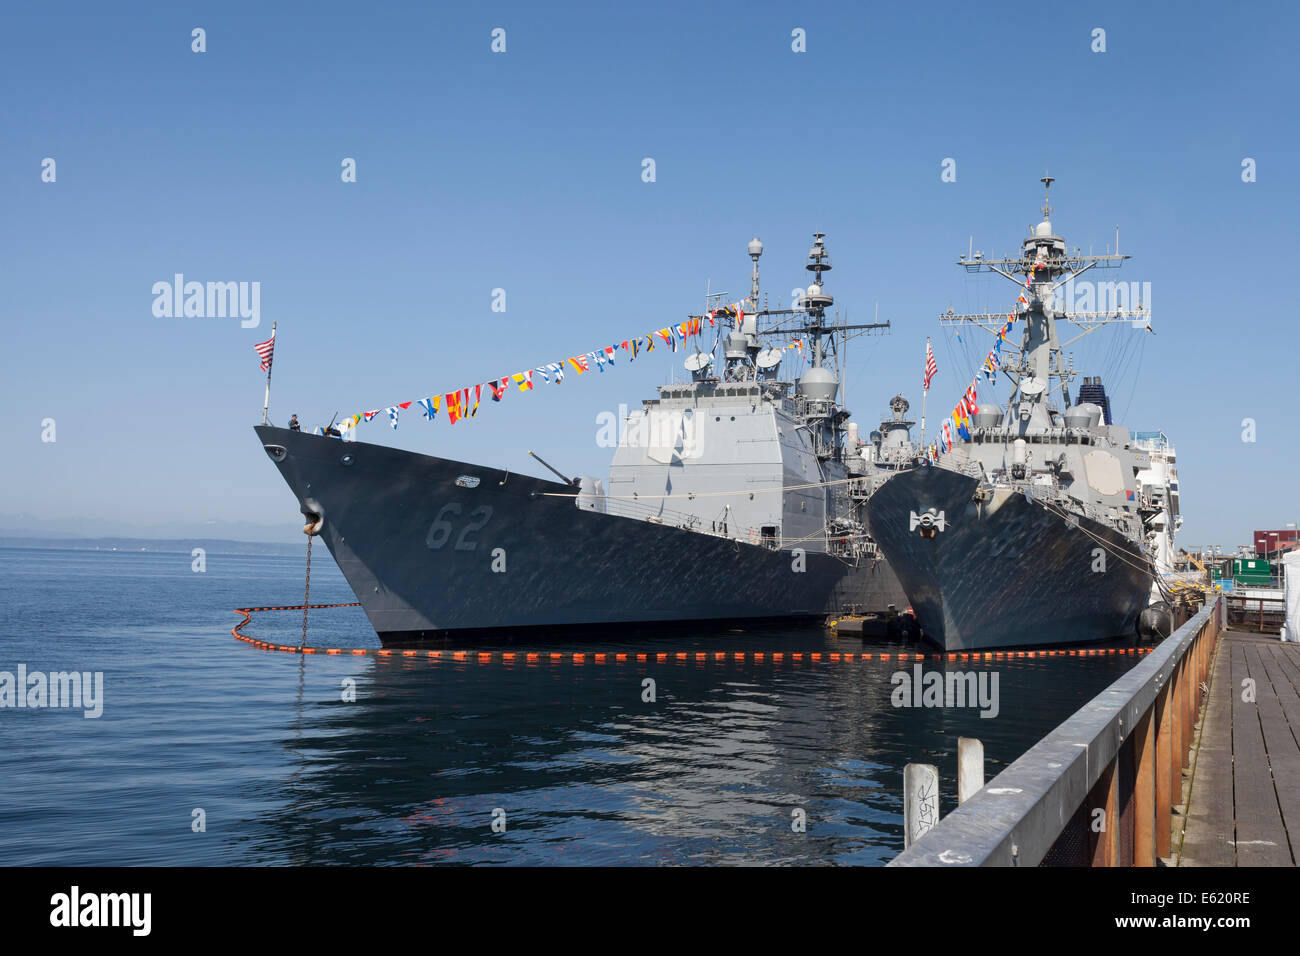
1044, 266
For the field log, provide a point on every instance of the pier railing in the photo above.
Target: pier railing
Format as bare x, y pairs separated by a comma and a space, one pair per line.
1255, 612
1100, 789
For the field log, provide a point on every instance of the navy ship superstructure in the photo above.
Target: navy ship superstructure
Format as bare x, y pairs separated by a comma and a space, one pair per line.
734, 497
1040, 527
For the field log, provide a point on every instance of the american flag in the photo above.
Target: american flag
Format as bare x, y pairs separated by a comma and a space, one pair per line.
266, 350
930, 367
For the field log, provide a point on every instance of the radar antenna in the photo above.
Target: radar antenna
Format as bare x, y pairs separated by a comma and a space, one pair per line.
1046, 266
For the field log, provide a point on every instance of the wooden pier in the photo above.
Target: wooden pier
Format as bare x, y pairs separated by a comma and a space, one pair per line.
1105, 788
1192, 758
1243, 806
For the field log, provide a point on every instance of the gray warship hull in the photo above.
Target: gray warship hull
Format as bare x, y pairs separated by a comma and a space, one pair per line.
441, 550
1014, 574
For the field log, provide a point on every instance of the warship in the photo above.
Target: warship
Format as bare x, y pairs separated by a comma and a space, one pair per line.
733, 498
1041, 522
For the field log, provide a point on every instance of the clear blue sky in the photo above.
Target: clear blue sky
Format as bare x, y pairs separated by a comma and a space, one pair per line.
523, 171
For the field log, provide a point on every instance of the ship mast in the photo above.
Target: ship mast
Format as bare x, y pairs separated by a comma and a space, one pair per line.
1046, 266
746, 360
815, 300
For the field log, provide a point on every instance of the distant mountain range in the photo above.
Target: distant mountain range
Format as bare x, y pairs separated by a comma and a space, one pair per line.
93, 529
236, 537
157, 545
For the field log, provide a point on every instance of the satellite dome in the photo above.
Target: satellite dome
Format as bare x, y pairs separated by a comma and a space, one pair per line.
818, 384
1083, 415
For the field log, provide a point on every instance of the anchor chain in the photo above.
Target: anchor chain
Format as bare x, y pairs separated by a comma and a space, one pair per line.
306, 590
310, 529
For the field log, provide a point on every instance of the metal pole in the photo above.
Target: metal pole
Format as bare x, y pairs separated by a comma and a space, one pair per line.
267, 403
925, 392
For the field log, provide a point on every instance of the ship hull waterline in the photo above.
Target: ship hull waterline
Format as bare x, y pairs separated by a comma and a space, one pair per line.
437, 550
1014, 574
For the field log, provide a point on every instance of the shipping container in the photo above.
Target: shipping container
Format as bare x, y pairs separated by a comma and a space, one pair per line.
1252, 571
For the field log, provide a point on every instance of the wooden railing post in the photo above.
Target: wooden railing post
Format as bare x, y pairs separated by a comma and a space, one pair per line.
1178, 703
1189, 715
970, 768
1197, 657
1145, 810
920, 801
1198, 674
1103, 838
1164, 776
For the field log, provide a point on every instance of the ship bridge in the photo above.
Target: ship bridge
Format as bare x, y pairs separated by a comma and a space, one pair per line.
733, 455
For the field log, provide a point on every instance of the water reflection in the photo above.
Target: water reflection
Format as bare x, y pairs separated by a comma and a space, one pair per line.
587, 771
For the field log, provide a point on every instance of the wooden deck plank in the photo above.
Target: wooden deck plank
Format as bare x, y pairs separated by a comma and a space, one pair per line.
1209, 837
1244, 802
1285, 668
1261, 838
1276, 697
1288, 658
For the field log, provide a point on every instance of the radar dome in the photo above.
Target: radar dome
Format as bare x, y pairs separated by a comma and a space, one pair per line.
1084, 415
988, 416
819, 384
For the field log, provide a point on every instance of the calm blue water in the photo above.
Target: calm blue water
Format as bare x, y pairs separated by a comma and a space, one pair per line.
411, 772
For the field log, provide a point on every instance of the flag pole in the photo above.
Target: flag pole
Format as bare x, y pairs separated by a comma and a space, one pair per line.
267, 403
925, 392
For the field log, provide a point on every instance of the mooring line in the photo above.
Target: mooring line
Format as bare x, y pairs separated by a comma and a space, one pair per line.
659, 657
